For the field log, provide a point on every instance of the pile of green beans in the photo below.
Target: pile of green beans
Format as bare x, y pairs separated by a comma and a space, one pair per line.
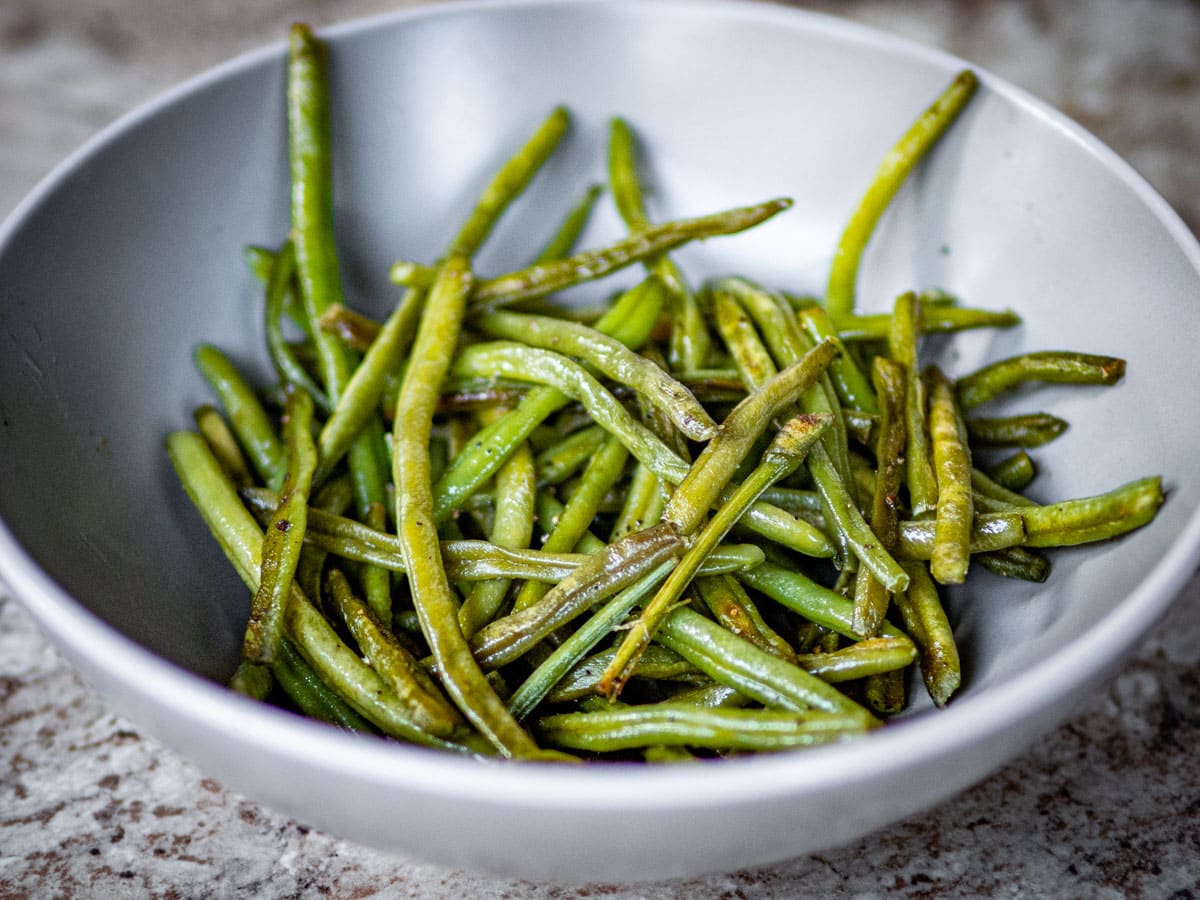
702, 520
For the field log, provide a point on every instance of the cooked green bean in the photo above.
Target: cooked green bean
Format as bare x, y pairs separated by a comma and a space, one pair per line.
737, 663
732, 607
903, 338
548, 673
1016, 562
359, 398
892, 171
249, 420
684, 724
870, 596
1015, 472
610, 357
952, 468
874, 656
285, 537
794, 590
1053, 366
989, 531
1095, 518
601, 474
223, 443
925, 621
655, 664
690, 342
619, 565
509, 182
853, 385
512, 527
541, 279
697, 492
279, 285
1028, 430
436, 606
933, 320
401, 671
563, 241
311, 695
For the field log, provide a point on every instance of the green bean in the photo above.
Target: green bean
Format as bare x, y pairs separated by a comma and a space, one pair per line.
925, 620
399, 669
545, 278
1016, 562
357, 402
799, 593
644, 503
760, 675
509, 182
516, 490
781, 458
871, 597
611, 358
754, 363
690, 342
952, 468
601, 474
311, 695
311, 160
513, 360
281, 546
989, 531
892, 171
561, 460
903, 338
932, 320
1014, 472
436, 606
563, 241
260, 261
732, 607
1094, 518
279, 285
1053, 366
469, 560
1028, 430
688, 725
874, 656
249, 420
352, 328
982, 484
853, 386
627, 321
223, 443
886, 693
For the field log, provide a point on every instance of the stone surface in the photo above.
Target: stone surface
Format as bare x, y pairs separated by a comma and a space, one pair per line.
1106, 806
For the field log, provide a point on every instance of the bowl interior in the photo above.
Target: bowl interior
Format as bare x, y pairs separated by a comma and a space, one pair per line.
130, 255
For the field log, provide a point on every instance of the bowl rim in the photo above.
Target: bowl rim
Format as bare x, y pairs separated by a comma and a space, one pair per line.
93, 644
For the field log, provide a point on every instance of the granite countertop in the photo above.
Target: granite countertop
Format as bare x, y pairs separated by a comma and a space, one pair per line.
1107, 805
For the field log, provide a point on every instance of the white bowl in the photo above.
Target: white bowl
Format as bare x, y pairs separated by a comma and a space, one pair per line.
128, 255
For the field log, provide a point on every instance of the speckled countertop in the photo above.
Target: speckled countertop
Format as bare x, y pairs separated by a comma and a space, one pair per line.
1106, 806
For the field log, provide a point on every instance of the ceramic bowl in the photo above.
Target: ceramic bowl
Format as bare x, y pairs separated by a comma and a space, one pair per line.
129, 254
